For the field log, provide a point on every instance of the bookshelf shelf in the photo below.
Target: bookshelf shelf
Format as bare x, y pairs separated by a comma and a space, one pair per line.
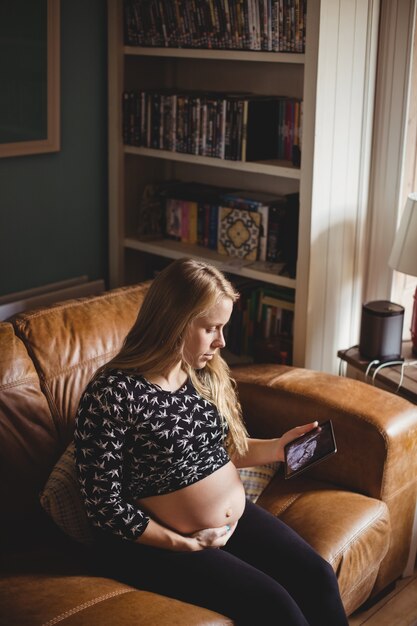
271, 168
220, 55
174, 250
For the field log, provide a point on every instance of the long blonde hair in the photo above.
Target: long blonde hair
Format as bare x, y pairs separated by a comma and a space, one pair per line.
183, 291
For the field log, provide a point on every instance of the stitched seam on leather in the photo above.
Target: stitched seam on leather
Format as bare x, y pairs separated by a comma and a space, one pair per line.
22, 381
44, 382
287, 504
44, 388
85, 605
79, 365
352, 590
363, 578
357, 534
361, 581
398, 491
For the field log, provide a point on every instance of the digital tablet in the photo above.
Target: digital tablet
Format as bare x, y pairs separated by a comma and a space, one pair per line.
309, 449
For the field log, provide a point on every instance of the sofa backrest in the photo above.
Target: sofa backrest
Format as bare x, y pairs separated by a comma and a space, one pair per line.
47, 357
28, 437
69, 341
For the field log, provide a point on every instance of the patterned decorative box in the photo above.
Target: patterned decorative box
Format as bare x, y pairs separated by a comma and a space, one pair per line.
239, 233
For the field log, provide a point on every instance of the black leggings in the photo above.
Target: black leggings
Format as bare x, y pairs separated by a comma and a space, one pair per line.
266, 574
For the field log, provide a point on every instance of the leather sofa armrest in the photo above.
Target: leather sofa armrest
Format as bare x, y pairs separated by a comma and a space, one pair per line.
376, 431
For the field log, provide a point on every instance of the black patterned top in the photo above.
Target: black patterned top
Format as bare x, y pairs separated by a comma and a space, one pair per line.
133, 440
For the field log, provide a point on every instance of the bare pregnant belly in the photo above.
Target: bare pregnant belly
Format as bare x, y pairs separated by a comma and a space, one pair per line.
214, 501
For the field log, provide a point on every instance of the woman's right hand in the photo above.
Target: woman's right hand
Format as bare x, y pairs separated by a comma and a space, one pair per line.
212, 537
159, 536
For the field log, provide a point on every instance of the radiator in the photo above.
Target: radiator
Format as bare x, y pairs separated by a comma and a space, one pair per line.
77, 287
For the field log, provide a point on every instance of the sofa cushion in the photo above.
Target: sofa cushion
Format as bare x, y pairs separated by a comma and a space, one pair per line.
256, 478
61, 499
68, 341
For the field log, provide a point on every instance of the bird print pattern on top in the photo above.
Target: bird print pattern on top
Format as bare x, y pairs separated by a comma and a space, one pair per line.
134, 439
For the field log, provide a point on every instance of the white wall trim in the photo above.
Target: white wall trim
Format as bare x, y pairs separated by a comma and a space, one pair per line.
344, 112
394, 55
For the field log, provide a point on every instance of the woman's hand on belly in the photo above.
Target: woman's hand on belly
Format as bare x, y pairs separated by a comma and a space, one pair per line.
214, 537
159, 536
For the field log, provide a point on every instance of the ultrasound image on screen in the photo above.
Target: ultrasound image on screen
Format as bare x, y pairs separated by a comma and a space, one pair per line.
309, 449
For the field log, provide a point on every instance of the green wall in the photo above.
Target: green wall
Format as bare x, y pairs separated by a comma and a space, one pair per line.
53, 207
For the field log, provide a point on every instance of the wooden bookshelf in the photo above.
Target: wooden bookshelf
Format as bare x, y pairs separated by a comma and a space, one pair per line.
336, 91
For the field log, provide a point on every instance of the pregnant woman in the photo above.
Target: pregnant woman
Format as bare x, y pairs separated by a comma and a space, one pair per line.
159, 437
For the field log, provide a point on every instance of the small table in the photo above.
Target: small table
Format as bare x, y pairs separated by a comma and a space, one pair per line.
397, 378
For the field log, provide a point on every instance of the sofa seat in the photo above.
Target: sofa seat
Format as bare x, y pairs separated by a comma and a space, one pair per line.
60, 581
61, 584
80, 600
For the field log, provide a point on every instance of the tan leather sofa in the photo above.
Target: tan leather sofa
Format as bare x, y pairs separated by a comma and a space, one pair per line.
356, 508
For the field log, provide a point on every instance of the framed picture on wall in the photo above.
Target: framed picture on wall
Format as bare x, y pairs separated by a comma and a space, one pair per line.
29, 77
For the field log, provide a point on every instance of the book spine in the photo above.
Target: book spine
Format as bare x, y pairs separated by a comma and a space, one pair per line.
161, 121
274, 251
244, 135
192, 217
263, 235
143, 112
206, 231
185, 223
200, 223
173, 219
148, 120
213, 226
221, 140
126, 117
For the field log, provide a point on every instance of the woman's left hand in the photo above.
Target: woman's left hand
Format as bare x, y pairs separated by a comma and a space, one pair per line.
292, 434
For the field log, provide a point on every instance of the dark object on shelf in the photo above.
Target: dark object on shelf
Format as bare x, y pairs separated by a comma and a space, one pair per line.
282, 237
151, 218
296, 156
381, 330
274, 350
262, 116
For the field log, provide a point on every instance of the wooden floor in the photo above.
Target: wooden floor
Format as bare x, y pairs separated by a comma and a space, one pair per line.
398, 608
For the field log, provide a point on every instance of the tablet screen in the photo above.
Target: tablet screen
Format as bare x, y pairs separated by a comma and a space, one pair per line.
309, 449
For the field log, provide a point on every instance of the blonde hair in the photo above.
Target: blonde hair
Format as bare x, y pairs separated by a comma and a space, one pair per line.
184, 290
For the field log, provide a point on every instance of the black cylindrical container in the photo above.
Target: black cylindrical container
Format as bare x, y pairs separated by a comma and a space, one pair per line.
381, 330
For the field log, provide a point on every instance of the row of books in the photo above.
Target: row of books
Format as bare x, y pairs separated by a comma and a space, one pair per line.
232, 126
263, 314
252, 226
267, 25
